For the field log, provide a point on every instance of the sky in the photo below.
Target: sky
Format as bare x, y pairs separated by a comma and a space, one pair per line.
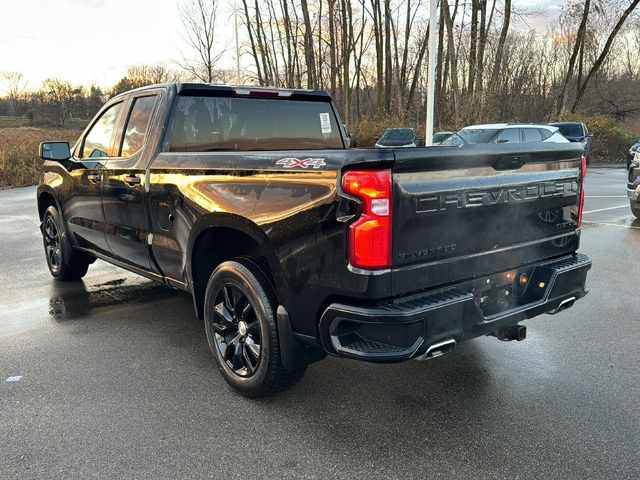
93, 41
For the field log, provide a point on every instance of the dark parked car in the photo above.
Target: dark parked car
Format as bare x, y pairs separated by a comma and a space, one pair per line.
398, 138
633, 185
635, 148
576, 132
294, 246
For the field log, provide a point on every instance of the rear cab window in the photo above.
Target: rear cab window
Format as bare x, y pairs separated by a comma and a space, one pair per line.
210, 123
137, 125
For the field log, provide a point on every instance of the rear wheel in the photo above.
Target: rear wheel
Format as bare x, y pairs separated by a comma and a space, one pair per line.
63, 261
635, 209
240, 322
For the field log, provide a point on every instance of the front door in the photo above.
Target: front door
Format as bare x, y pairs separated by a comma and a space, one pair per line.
83, 204
123, 190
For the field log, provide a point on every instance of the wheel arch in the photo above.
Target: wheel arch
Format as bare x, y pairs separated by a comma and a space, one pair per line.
47, 198
216, 238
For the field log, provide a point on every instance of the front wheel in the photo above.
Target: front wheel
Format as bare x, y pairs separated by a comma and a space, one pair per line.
63, 261
240, 323
635, 209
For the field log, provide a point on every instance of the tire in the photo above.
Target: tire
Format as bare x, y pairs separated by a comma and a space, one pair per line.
240, 323
635, 209
63, 261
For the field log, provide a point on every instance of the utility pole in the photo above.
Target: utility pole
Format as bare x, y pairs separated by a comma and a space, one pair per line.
235, 19
431, 72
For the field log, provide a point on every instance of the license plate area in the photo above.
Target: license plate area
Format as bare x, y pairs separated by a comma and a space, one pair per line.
511, 289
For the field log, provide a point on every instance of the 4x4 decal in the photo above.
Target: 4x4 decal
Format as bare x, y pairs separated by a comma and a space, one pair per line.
301, 163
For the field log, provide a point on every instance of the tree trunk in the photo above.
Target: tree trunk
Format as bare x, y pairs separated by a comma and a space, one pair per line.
379, 42
562, 100
452, 58
254, 52
500, 50
387, 55
473, 46
333, 67
605, 51
308, 46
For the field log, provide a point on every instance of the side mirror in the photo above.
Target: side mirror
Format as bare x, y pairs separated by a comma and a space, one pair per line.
377, 137
417, 140
55, 151
352, 141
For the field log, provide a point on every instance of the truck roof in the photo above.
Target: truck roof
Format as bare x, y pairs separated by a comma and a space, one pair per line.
187, 88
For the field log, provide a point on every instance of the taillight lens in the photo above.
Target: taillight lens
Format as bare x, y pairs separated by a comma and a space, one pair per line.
370, 234
583, 173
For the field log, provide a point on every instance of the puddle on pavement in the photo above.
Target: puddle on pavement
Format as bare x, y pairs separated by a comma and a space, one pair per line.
71, 300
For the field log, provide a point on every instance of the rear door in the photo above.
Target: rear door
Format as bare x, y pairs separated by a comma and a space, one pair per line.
460, 213
124, 186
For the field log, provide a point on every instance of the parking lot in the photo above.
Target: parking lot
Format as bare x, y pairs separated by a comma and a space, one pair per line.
117, 382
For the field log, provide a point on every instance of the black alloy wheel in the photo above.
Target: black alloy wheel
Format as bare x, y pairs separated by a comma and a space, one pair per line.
240, 322
236, 330
52, 244
64, 262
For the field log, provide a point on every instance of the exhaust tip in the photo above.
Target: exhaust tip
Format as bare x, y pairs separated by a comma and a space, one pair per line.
438, 349
566, 303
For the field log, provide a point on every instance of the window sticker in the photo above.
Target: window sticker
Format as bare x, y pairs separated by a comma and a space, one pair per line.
325, 123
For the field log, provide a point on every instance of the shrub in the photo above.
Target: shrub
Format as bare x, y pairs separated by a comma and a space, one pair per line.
19, 162
611, 141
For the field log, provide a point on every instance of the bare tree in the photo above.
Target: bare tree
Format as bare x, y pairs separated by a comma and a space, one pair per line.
144, 74
578, 46
603, 55
15, 85
199, 22
59, 94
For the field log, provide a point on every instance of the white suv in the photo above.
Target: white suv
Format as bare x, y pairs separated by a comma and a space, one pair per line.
506, 133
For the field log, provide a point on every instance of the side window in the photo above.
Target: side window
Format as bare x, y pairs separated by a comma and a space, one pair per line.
137, 125
545, 133
531, 135
98, 141
508, 135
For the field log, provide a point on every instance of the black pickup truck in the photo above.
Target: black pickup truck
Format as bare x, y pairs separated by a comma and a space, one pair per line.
293, 245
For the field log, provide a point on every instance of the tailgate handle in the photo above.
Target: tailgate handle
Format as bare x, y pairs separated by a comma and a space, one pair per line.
510, 162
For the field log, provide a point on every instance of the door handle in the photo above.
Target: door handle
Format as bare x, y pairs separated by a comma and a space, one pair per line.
94, 177
132, 180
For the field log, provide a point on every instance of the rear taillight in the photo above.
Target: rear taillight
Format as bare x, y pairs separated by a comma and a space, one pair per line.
370, 234
583, 173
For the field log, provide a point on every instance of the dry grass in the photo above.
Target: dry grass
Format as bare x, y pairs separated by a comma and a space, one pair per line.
19, 162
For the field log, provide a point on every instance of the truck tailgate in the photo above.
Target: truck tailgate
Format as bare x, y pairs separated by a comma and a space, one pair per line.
460, 213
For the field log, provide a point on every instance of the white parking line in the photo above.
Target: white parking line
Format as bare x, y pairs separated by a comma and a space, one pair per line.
607, 224
605, 209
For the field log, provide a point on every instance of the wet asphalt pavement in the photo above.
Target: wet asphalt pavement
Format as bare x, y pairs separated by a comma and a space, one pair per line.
117, 382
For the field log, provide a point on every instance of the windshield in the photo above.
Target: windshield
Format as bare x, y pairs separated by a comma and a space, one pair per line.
207, 124
398, 134
470, 135
570, 129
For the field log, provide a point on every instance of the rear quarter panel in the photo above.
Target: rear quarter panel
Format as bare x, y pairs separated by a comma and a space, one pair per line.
286, 203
